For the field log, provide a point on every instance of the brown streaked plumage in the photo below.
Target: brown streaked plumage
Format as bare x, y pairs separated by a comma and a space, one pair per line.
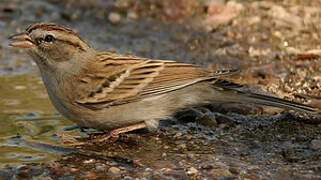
106, 90
49, 27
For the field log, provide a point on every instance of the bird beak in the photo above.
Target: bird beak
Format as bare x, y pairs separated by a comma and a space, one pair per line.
21, 40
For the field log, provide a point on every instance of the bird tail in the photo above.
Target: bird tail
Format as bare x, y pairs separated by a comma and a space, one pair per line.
277, 102
232, 92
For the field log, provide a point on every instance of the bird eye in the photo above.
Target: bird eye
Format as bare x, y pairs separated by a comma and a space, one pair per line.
49, 38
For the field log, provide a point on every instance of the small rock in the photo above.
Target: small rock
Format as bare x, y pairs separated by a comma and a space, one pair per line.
100, 167
58, 172
73, 169
234, 170
132, 15
280, 13
114, 171
254, 20
148, 169
288, 145
166, 169
207, 166
182, 146
89, 161
128, 178
191, 155
179, 134
114, 18
254, 52
207, 120
221, 14
223, 119
64, 158
221, 172
192, 171
254, 167
314, 51
90, 175
122, 4
315, 144
175, 174
292, 50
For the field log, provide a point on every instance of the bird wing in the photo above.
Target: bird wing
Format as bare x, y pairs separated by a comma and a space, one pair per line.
123, 79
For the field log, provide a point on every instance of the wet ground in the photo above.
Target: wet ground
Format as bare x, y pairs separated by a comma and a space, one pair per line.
276, 44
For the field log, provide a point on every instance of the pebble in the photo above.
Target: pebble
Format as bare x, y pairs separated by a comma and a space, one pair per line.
73, 169
207, 120
223, 119
221, 172
127, 178
292, 50
254, 167
179, 134
314, 51
221, 14
280, 13
114, 18
132, 15
100, 167
182, 146
234, 170
114, 171
191, 155
315, 144
254, 20
148, 169
206, 166
89, 175
89, 161
256, 52
192, 171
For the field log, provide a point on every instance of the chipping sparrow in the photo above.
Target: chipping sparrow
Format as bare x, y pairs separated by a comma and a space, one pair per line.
121, 93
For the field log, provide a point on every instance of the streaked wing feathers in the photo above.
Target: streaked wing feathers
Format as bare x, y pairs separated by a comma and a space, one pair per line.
129, 78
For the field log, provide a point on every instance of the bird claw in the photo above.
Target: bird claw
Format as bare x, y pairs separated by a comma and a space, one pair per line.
110, 136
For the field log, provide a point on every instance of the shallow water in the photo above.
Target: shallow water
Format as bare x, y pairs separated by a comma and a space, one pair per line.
26, 116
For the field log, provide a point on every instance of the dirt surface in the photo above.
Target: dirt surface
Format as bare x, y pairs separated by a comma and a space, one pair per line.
276, 44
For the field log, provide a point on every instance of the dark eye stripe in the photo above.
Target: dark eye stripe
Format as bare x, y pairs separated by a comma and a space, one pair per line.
39, 40
76, 45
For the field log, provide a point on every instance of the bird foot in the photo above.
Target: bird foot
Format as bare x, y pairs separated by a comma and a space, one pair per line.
114, 134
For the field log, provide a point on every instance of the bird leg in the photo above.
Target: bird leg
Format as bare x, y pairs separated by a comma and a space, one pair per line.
115, 132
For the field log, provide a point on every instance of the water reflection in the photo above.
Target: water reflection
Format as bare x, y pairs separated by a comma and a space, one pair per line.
31, 128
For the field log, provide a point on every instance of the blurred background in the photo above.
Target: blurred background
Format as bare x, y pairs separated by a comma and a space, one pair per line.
275, 43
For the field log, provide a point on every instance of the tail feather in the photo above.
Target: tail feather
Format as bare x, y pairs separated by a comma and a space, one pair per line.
281, 103
233, 92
